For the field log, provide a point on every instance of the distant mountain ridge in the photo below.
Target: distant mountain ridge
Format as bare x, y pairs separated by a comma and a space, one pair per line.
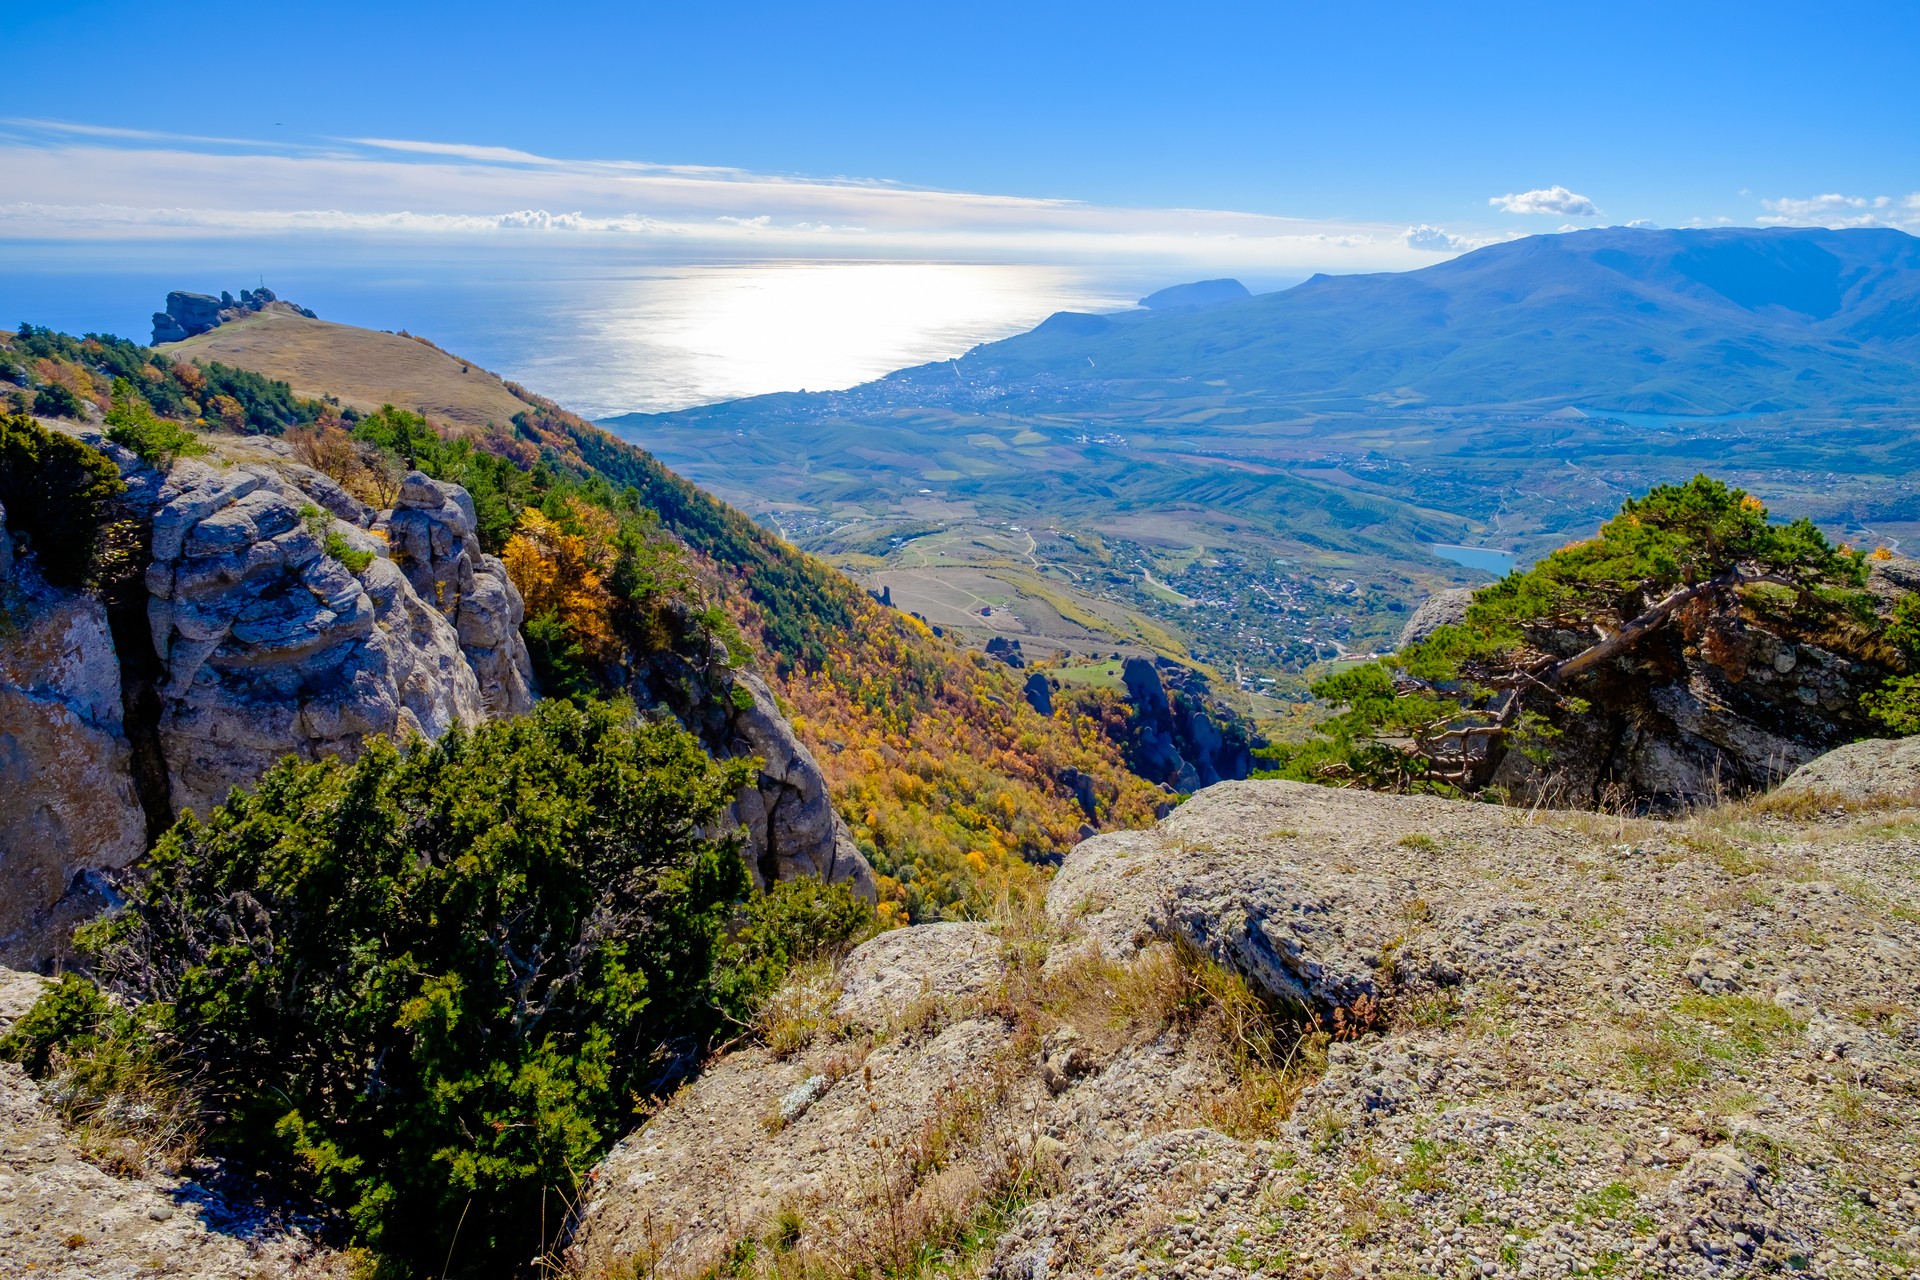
1698, 322
1293, 458
1201, 293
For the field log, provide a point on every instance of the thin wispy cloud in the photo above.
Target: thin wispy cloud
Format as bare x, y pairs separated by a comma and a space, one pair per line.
77, 182
1554, 200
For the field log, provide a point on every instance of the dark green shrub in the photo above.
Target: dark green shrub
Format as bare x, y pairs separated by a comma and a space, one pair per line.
559, 662
71, 1016
131, 424
1895, 705
56, 401
336, 545
428, 985
55, 490
795, 921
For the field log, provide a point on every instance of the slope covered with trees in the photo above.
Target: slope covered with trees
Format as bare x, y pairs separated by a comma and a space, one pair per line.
951, 784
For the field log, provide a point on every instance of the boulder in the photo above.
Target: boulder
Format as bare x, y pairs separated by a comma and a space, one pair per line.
1875, 769
1441, 609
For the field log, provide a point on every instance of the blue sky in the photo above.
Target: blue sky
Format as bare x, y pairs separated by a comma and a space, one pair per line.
1287, 136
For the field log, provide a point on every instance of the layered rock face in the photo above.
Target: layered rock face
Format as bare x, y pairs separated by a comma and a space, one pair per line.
272, 647
1715, 703
1549, 1046
1179, 741
431, 534
67, 804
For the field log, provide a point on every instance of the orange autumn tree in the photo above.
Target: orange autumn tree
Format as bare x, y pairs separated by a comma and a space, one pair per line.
561, 570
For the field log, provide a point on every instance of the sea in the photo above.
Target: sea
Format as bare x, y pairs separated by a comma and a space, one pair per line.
602, 331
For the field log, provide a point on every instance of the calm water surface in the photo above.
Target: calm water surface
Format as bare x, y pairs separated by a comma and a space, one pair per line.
600, 333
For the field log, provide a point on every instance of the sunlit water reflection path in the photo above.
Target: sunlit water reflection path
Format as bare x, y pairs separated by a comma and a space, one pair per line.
602, 336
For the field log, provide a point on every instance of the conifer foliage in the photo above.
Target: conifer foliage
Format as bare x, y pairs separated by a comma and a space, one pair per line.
429, 985
1437, 715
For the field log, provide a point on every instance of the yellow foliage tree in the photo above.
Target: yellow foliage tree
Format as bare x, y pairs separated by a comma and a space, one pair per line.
564, 573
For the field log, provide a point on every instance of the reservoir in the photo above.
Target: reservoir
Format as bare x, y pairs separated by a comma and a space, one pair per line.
1487, 559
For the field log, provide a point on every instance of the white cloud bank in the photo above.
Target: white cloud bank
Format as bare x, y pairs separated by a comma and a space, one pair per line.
1835, 210
1554, 200
79, 182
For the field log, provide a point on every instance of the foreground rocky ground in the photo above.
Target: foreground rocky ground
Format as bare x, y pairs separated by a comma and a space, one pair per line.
1549, 1044
1292, 1031
82, 1210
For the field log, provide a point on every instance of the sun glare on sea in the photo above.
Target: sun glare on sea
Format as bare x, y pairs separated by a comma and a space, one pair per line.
672, 337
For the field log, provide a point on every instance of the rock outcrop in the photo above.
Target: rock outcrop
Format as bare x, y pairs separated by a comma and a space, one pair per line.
271, 646
247, 637
432, 534
1007, 651
1723, 699
1874, 770
1441, 609
1547, 1046
787, 814
67, 804
190, 313
1180, 738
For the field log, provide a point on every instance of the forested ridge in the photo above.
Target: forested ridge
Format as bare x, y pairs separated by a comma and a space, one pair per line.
951, 783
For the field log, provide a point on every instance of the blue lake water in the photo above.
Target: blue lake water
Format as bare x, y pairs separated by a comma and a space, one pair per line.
1487, 559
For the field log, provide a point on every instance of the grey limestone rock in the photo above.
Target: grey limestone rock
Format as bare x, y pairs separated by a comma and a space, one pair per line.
431, 531
884, 976
271, 647
791, 827
1861, 772
67, 805
1441, 609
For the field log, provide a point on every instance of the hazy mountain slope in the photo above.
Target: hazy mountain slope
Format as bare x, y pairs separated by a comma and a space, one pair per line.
1719, 321
1259, 455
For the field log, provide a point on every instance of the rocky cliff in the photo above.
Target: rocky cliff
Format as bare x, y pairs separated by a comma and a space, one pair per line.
255, 610
1504, 1043
1724, 700
1180, 738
